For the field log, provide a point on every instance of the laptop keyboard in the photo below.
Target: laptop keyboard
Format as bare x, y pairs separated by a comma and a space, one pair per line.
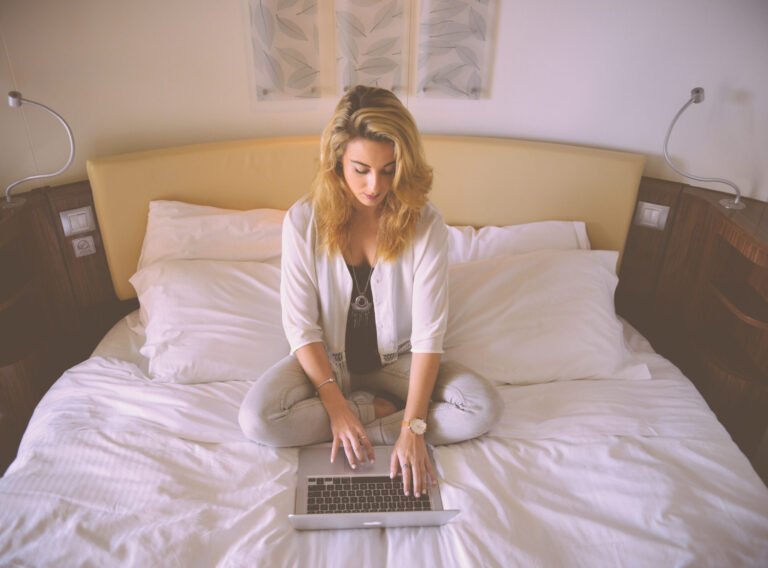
361, 494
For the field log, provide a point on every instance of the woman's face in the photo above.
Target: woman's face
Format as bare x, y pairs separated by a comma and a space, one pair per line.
369, 168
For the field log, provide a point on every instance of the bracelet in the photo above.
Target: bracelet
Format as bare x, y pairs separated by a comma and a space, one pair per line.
321, 385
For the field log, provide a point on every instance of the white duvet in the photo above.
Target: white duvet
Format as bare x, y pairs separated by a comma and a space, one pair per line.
118, 470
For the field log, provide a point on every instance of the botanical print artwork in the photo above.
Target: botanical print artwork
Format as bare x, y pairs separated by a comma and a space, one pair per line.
372, 43
455, 40
285, 41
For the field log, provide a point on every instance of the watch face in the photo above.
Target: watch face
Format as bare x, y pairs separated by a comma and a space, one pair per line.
418, 426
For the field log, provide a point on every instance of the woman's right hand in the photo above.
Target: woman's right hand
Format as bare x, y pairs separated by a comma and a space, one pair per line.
348, 432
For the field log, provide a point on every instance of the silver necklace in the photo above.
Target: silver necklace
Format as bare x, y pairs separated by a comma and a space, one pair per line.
361, 303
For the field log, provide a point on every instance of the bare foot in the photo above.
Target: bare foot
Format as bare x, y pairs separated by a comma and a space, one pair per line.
383, 407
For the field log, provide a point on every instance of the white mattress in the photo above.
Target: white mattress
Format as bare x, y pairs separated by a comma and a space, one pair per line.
118, 470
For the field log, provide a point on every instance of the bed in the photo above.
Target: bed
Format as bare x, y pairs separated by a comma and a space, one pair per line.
606, 455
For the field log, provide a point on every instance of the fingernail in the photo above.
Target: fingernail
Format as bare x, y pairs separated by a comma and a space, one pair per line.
354, 466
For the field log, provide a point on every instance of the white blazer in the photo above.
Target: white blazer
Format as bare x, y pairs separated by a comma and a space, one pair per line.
410, 294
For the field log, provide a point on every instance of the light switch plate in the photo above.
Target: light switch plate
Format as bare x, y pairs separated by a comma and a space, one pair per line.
651, 215
84, 246
77, 221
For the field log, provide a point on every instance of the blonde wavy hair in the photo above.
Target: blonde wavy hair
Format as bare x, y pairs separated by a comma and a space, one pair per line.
375, 114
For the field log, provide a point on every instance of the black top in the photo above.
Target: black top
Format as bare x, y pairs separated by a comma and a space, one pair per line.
361, 340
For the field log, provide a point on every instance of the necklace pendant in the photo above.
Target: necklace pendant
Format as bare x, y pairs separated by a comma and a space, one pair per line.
361, 304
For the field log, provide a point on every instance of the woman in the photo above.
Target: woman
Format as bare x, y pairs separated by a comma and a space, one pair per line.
364, 298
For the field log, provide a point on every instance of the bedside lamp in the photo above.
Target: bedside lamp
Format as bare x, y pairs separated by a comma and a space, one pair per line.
697, 95
15, 100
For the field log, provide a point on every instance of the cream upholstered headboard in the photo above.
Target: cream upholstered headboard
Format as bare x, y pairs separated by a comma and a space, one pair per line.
478, 181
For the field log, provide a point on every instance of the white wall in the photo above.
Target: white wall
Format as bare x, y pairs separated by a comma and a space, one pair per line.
137, 74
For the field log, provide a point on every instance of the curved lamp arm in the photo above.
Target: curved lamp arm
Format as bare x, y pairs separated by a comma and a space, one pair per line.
697, 95
15, 100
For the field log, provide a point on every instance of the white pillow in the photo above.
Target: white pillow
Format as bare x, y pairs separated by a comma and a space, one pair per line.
538, 317
177, 230
210, 320
466, 244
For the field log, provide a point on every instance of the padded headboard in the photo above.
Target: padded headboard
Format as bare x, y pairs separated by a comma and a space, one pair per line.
478, 181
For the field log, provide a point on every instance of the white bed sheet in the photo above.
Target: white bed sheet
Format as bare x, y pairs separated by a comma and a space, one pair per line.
115, 469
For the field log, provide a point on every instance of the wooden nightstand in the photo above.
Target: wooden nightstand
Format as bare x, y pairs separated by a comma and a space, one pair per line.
698, 290
54, 306
729, 326
19, 319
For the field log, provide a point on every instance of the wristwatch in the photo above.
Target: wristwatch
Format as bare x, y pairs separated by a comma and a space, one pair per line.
417, 425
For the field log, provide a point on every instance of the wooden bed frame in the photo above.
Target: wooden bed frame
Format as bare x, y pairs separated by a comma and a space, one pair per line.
478, 181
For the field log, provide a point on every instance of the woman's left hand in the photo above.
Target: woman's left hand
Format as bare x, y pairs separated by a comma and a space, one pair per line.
411, 459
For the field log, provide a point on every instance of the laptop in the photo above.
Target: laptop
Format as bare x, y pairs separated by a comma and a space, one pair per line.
335, 496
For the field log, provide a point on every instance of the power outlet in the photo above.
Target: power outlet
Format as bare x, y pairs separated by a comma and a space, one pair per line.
84, 246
